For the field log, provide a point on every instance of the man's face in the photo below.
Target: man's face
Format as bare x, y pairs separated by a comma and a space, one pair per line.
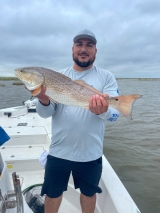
84, 52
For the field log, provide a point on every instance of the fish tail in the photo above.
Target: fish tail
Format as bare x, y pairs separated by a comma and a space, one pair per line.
124, 104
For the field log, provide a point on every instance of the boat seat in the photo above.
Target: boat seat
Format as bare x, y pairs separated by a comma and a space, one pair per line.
22, 158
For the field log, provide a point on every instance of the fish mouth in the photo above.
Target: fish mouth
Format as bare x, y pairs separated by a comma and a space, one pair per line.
30, 86
17, 72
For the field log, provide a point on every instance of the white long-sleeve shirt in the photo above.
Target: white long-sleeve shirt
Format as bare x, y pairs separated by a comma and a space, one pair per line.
77, 133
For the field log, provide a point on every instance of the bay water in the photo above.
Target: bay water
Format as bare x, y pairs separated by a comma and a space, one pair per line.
131, 146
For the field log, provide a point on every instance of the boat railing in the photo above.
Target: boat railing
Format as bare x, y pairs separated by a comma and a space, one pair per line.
12, 198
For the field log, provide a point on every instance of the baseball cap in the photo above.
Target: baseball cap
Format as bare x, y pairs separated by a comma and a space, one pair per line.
85, 34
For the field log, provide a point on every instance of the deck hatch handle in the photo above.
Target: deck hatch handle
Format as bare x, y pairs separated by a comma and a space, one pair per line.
22, 124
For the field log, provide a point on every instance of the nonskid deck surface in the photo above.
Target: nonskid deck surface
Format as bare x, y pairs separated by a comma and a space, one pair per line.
71, 198
30, 178
24, 119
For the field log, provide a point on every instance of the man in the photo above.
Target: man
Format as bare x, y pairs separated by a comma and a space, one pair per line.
77, 134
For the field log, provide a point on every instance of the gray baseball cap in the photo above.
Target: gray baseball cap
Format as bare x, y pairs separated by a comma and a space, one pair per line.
85, 34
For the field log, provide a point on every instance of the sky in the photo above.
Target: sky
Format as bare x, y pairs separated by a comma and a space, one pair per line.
41, 32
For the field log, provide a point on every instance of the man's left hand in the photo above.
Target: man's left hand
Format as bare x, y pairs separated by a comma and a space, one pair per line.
97, 104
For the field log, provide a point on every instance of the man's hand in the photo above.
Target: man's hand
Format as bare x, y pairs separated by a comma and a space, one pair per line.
41, 96
97, 104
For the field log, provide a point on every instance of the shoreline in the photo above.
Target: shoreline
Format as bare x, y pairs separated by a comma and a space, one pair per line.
141, 79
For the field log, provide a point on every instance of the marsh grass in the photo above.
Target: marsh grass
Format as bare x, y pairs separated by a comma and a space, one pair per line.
8, 78
18, 83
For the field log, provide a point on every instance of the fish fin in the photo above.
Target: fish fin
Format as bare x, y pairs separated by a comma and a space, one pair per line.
124, 104
36, 91
83, 83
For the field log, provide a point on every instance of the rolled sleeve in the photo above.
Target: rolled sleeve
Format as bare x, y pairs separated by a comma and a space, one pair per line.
111, 114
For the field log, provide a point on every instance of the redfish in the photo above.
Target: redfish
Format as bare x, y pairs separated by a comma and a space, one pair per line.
62, 89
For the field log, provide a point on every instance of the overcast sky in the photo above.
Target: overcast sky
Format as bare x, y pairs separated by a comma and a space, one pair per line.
40, 33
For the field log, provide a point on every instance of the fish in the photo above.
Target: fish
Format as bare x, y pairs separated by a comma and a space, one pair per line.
64, 90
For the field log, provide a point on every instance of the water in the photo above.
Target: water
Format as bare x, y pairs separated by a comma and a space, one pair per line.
12, 95
131, 146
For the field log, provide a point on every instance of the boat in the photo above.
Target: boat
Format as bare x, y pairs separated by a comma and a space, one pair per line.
21, 171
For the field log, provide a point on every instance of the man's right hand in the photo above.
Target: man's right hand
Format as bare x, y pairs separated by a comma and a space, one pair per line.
43, 98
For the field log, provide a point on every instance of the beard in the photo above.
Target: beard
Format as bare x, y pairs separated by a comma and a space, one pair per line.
83, 63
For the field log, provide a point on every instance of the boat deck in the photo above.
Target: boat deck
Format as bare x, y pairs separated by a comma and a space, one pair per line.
30, 136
